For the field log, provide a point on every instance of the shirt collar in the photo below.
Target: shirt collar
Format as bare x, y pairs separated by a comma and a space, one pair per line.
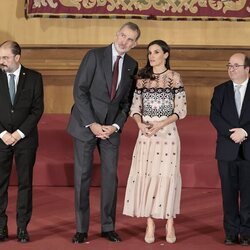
16, 72
115, 53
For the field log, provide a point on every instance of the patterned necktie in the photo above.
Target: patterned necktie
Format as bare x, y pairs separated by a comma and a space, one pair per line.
115, 77
12, 87
237, 97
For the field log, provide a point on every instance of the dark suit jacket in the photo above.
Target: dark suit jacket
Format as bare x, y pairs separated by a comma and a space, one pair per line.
224, 116
26, 110
92, 93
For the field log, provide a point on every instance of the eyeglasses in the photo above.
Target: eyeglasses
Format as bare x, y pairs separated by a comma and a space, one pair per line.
234, 66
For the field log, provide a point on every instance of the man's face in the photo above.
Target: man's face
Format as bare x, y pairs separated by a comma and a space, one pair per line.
125, 40
8, 62
237, 72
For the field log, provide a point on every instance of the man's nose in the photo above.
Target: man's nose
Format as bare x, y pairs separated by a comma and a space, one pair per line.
124, 41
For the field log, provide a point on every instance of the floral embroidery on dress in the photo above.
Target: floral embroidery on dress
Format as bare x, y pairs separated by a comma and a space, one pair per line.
158, 101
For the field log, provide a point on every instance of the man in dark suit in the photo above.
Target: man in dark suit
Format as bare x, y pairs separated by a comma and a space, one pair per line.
98, 115
230, 115
21, 107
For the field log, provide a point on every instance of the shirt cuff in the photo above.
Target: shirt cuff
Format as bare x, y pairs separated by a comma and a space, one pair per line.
246, 134
3, 133
87, 126
20, 133
116, 126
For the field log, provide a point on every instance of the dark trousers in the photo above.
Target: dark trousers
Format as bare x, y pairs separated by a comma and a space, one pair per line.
235, 178
24, 159
83, 173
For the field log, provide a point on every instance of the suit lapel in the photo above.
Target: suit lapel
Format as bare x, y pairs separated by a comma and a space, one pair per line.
231, 99
246, 101
107, 67
20, 84
4, 86
125, 73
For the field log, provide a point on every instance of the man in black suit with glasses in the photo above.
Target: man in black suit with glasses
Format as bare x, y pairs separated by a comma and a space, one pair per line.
230, 115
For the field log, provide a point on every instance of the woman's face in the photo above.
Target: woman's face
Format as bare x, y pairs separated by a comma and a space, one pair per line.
156, 56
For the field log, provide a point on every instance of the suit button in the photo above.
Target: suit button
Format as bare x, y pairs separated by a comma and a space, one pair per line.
12, 111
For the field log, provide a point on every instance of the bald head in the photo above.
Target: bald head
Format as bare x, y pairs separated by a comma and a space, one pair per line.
13, 46
238, 67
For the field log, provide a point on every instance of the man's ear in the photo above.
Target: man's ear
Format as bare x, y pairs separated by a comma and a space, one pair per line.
135, 44
17, 58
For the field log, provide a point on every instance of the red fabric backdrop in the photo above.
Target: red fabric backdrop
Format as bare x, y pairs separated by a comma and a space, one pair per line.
148, 9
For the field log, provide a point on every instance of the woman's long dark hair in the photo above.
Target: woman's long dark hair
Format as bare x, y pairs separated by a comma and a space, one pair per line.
147, 71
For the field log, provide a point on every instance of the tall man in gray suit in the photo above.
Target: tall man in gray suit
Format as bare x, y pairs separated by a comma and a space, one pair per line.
230, 115
102, 93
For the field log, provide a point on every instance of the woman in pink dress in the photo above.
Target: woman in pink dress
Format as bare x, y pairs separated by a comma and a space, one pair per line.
154, 184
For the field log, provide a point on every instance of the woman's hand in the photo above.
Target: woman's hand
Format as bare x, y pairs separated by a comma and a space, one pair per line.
144, 127
154, 128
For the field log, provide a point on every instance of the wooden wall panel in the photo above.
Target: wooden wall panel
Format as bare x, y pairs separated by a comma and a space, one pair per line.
201, 69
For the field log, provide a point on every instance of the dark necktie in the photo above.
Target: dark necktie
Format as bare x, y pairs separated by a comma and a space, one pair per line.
115, 77
12, 87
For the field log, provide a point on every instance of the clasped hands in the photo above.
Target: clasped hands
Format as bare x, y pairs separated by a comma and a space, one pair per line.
149, 129
11, 139
102, 131
238, 135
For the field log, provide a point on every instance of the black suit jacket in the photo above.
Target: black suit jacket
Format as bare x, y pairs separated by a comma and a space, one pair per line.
92, 93
27, 109
224, 116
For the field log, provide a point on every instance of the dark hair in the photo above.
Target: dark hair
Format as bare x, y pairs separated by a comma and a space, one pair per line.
247, 62
133, 27
147, 71
14, 46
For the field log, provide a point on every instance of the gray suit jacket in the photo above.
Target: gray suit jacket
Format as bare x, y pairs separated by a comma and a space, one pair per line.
92, 93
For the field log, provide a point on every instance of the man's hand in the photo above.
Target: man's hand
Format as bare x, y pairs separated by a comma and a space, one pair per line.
8, 139
99, 131
16, 136
108, 130
238, 135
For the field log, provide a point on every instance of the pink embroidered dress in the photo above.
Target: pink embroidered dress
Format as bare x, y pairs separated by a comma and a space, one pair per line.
154, 183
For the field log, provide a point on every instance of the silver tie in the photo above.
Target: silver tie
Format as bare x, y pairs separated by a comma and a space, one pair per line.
237, 97
12, 87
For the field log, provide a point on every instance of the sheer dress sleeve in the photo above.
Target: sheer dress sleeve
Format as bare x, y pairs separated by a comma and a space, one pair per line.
136, 107
180, 102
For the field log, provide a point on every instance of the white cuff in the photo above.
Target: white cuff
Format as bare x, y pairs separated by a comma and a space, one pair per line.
20, 133
3, 133
246, 135
116, 126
